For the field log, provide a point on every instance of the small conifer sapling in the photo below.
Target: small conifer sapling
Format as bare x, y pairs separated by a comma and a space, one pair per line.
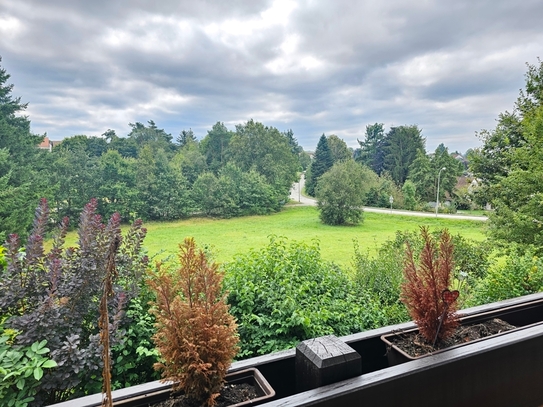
196, 335
425, 290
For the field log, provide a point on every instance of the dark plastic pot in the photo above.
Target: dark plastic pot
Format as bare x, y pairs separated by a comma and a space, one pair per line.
522, 316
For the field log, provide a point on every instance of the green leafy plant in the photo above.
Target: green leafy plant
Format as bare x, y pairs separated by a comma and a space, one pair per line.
196, 336
425, 290
286, 293
520, 272
21, 369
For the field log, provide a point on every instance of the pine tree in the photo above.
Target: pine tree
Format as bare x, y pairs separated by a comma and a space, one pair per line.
321, 163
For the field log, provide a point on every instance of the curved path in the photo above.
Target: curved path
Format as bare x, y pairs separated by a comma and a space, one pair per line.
296, 195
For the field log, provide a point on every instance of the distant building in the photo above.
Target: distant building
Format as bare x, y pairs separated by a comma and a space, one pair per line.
47, 144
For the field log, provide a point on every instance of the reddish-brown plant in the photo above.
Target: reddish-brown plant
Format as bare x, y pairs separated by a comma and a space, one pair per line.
196, 335
424, 285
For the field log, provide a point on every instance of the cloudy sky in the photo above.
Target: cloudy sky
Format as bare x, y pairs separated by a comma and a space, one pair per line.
312, 66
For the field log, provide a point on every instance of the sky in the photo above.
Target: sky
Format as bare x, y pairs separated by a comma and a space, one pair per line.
315, 67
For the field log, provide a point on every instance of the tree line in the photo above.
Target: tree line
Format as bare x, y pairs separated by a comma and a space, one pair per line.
146, 175
249, 170
389, 169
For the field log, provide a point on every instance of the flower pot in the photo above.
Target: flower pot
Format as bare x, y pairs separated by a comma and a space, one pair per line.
155, 392
521, 316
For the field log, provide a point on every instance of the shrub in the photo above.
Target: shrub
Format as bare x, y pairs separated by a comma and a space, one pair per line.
512, 275
134, 357
196, 336
55, 296
285, 293
21, 369
425, 285
381, 277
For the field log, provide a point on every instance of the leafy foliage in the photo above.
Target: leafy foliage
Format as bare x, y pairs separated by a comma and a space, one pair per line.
424, 284
510, 275
341, 193
285, 293
21, 369
234, 193
425, 170
509, 165
268, 152
134, 356
381, 277
54, 296
20, 181
196, 336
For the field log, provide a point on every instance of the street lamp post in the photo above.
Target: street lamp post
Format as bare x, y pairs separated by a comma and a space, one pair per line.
437, 194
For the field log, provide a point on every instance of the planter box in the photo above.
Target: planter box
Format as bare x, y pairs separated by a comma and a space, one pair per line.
501, 371
519, 315
145, 395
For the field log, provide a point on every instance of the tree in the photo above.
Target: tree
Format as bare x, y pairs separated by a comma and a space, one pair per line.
116, 190
371, 151
21, 183
510, 167
190, 161
162, 189
400, 150
94, 146
152, 136
265, 150
409, 195
341, 193
424, 173
338, 149
73, 178
322, 162
186, 137
215, 145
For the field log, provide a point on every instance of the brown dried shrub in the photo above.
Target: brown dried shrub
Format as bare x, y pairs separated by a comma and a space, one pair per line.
196, 336
424, 284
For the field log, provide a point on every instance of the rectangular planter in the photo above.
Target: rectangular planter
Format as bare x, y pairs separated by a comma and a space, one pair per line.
519, 315
155, 392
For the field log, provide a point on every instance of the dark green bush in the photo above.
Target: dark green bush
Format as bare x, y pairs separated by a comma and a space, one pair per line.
285, 293
510, 275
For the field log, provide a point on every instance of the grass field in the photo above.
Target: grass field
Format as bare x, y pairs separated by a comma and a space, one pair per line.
228, 237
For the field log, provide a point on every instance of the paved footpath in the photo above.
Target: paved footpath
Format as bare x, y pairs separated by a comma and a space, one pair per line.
296, 195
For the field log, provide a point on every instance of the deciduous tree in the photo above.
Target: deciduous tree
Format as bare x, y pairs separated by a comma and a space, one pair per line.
341, 193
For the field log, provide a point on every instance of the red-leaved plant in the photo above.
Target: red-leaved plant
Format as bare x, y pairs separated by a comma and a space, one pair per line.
196, 335
425, 290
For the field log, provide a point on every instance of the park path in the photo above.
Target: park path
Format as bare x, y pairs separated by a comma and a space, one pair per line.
300, 199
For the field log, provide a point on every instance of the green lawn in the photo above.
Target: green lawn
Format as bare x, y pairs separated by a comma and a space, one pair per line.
228, 237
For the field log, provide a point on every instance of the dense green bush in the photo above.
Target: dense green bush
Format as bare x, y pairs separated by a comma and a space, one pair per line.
234, 193
286, 293
134, 356
381, 277
510, 275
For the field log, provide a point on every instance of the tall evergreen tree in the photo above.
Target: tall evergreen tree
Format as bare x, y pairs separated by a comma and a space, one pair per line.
186, 137
20, 184
322, 162
371, 152
214, 146
400, 148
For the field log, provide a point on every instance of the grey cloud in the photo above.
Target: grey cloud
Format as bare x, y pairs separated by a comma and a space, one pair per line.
327, 67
